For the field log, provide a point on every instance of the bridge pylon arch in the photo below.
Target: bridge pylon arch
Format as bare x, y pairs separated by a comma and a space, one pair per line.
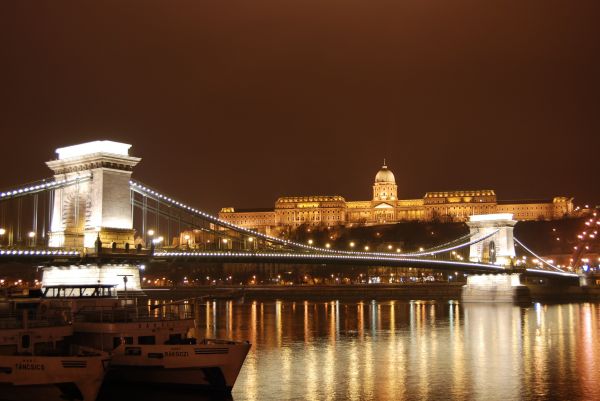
499, 247
97, 202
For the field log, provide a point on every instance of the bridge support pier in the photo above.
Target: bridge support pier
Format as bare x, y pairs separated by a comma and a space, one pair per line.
495, 288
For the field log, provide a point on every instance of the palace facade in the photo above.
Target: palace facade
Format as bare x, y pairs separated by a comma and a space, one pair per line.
386, 208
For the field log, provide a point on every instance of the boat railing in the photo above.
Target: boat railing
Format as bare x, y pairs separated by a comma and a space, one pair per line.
32, 320
125, 315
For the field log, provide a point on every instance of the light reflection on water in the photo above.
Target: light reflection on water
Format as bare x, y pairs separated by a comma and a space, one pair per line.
419, 350
397, 350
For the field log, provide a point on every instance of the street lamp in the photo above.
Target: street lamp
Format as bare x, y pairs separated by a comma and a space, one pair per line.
310, 242
31, 236
2, 232
352, 244
157, 241
187, 240
150, 234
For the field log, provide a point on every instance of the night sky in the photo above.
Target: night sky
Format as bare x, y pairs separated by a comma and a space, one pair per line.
235, 103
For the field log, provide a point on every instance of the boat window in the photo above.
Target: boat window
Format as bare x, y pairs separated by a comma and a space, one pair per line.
9, 349
43, 348
25, 341
146, 340
136, 351
174, 339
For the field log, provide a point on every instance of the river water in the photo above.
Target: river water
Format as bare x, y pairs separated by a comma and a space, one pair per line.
399, 350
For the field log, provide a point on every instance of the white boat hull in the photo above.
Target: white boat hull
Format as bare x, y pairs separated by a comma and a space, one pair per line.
51, 377
214, 365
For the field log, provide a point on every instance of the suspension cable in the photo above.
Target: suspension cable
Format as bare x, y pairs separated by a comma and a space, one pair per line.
537, 256
472, 242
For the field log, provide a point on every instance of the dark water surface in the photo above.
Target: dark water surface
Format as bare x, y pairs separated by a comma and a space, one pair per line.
394, 350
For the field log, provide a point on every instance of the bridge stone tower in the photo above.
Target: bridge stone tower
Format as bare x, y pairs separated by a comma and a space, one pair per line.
98, 201
499, 248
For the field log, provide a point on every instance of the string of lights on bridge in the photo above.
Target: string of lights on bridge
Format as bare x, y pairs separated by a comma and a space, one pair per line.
145, 190
43, 185
307, 256
38, 252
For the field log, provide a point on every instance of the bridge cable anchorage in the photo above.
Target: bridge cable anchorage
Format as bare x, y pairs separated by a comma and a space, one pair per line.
537, 256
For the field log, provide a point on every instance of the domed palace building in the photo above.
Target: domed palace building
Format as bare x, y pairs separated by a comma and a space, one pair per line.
386, 208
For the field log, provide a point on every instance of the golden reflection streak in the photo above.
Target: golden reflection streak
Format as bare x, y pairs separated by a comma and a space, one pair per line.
250, 367
332, 332
588, 354
354, 375
307, 325
488, 338
329, 366
540, 353
311, 387
422, 351
393, 371
253, 326
369, 367
337, 319
457, 350
207, 321
278, 324
229, 321
262, 320
360, 321
286, 372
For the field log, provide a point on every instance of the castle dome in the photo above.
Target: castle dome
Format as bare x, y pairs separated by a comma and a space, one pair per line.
385, 176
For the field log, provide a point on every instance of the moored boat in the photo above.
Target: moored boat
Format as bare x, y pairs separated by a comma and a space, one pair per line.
38, 359
154, 346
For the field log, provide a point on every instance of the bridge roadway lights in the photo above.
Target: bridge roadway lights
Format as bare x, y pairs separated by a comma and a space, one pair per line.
495, 288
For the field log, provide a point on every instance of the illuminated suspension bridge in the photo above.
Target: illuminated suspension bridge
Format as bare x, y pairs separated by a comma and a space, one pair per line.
92, 210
